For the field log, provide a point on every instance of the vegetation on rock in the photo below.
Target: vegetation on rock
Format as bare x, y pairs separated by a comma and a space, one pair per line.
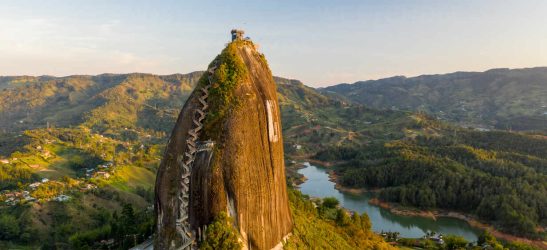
231, 71
220, 234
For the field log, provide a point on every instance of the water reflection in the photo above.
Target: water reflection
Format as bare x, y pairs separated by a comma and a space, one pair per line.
318, 185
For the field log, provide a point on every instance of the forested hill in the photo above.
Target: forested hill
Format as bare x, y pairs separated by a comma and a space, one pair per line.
118, 100
500, 98
116, 104
124, 119
101, 151
31, 102
498, 176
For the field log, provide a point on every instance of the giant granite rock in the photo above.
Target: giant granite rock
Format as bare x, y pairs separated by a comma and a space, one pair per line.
225, 154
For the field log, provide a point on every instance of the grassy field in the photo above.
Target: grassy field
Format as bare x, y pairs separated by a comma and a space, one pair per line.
128, 178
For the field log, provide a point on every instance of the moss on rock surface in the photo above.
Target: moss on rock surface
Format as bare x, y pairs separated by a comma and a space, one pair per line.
230, 71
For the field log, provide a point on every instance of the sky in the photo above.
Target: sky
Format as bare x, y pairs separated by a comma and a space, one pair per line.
319, 42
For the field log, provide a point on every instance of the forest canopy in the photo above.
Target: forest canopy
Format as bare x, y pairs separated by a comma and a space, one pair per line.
498, 176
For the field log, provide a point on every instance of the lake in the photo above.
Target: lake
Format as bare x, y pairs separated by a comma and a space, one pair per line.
319, 185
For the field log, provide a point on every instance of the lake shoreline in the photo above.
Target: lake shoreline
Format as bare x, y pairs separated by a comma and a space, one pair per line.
473, 222
432, 214
323, 186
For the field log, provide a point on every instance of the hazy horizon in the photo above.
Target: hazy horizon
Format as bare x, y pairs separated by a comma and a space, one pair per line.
290, 78
320, 43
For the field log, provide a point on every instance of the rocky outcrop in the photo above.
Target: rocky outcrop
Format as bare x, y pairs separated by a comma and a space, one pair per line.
237, 163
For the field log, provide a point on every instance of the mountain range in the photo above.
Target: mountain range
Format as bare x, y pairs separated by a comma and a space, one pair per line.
57, 127
509, 99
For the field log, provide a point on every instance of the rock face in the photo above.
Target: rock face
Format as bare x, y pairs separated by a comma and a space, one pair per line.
238, 165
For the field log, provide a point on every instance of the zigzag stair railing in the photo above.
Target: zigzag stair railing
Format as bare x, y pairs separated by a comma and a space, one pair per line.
182, 224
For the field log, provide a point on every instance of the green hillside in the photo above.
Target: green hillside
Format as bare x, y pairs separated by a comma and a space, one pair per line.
137, 105
314, 121
500, 98
32, 102
123, 121
119, 121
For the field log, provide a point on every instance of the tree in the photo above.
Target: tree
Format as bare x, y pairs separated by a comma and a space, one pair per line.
488, 239
128, 217
330, 202
453, 242
342, 218
365, 222
9, 227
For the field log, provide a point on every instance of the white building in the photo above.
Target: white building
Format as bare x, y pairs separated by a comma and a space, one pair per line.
62, 198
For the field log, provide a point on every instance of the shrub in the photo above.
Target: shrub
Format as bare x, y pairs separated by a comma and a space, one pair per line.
220, 234
9, 227
330, 202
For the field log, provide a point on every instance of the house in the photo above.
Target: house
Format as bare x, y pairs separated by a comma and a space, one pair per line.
35, 185
30, 199
46, 154
102, 174
437, 239
5, 161
62, 198
11, 201
44, 180
105, 166
89, 172
237, 34
88, 186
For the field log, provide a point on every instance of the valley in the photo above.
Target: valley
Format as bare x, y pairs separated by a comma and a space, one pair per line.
60, 128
